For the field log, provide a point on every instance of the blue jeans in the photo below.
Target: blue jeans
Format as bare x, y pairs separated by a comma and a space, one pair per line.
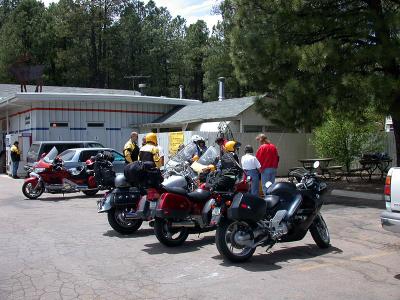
267, 174
255, 181
15, 165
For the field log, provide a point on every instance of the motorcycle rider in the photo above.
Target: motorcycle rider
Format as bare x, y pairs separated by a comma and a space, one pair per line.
200, 144
150, 151
131, 148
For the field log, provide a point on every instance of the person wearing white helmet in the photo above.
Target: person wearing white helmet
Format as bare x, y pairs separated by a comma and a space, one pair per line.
200, 143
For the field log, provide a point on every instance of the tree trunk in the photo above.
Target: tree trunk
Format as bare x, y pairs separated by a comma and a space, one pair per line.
396, 130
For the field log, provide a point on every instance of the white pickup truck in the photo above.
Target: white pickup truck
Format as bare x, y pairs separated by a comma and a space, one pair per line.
390, 218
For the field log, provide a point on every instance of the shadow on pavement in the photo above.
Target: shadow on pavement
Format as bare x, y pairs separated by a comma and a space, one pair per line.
139, 233
354, 202
269, 261
188, 246
397, 276
66, 197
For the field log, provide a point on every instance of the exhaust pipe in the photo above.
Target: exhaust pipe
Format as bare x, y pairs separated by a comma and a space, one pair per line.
188, 224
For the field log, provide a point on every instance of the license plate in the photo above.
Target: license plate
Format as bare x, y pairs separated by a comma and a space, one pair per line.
216, 211
153, 204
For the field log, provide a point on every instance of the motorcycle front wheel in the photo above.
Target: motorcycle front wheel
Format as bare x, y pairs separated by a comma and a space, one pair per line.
320, 233
168, 236
31, 191
226, 240
119, 224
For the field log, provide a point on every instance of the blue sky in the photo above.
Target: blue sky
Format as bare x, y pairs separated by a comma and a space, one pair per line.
191, 10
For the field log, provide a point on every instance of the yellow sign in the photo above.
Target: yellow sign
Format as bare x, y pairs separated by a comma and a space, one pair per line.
175, 139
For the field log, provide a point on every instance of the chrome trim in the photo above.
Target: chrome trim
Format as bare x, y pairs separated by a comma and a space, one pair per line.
391, 221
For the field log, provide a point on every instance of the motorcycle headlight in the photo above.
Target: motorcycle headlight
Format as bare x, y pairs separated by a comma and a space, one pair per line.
38, 170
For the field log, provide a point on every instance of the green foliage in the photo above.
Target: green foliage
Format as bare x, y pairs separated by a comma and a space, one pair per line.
346, 139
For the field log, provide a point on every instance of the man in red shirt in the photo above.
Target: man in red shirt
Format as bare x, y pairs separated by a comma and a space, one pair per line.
267, 155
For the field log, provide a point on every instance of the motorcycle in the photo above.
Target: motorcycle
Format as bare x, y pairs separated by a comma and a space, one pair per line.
127, 206
49, 175
286, 214
180, 213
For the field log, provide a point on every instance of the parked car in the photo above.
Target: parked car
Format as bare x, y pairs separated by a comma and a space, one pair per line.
38, 148
390, 218
76, 157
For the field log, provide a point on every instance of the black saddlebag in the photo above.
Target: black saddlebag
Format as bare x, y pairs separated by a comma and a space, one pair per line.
128, 197
143, 174
104, 174
247, 207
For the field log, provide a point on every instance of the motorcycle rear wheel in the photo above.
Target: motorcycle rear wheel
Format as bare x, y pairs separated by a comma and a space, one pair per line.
165, 234
30, 192
224, 235
119, 225
320, 233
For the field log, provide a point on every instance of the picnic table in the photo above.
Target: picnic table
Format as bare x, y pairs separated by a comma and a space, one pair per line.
327, 171
369, 167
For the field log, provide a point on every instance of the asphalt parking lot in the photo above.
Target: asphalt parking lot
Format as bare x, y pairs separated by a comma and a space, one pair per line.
59, 248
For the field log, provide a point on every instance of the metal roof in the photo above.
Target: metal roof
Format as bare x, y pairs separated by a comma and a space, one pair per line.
11, 93
226, 109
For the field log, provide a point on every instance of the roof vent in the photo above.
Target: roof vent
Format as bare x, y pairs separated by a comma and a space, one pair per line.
180, 91
142, 87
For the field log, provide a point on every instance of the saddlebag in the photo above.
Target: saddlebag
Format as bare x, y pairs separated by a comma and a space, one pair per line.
247, 207
172, 205
128, 197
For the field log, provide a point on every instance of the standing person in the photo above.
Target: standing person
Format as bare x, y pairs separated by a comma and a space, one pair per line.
252, 166
267, 155
150, 151
15, 158
131, 148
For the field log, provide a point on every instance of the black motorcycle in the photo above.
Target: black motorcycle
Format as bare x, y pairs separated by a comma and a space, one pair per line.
286, 214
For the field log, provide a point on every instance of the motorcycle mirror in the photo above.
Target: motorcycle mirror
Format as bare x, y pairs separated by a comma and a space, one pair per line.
268, 184
316, 164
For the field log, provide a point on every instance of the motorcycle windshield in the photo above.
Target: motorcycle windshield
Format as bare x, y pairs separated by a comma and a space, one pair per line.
51, 155
209, 157
185, 155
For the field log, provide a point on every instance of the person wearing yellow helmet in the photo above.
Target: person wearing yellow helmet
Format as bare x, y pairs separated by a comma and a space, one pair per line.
150, 151
230, 150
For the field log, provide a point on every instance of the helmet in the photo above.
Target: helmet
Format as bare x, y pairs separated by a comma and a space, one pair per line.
151, 137
195, 158
120, 181
230, 146
196, 138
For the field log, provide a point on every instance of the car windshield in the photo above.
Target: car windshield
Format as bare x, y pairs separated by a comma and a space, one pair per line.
210, 156
51, 155
67, 155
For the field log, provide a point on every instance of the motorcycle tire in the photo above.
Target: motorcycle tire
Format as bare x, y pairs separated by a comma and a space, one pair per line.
162, 233
320, 233
28, 185
90, 192
222, 246
118, 225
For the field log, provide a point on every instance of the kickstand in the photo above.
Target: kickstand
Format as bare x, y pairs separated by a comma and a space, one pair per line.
269, 247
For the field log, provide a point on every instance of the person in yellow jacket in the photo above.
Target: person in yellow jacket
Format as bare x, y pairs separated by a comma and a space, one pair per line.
15, 158
131, 149
150, 151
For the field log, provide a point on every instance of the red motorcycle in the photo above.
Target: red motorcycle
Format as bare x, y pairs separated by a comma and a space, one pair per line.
179, 212
49, 175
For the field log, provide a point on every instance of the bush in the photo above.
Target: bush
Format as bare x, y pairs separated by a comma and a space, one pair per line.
346, 140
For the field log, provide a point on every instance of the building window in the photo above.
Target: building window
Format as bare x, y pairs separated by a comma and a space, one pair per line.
95, 124
58, 124
252, 128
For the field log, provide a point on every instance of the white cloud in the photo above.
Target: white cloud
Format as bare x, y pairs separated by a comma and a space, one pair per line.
191, 10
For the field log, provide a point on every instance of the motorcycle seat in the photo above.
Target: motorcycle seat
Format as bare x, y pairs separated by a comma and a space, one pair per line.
176, 190
271, 201
199, 195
